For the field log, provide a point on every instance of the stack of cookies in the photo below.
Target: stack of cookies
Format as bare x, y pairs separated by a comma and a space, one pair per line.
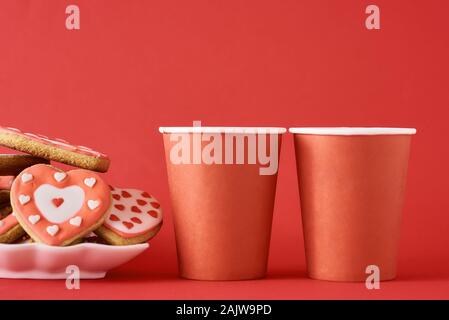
42, 203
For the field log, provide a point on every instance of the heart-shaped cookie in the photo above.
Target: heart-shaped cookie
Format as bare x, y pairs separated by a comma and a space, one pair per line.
57, 207
135, 217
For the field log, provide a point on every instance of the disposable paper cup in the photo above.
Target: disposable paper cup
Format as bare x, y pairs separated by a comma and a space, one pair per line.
222, 212
351, 184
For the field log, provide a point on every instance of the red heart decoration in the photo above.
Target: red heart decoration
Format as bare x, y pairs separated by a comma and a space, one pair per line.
57, 201
146, 194
135, 209
58, 209
136, 220
113, 217
155, 204
152, 213
126, 194
127, 224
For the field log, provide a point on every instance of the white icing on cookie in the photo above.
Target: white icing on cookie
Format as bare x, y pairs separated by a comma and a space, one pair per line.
71, 200
52, 230
93, 204
133, 211
26, 177
13, 129
24, 199
59, 176
34, 219
76, 221
90, 182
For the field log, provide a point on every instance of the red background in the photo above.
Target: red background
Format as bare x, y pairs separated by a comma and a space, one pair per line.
136, 65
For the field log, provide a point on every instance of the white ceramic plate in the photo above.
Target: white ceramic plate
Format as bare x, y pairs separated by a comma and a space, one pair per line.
40, 261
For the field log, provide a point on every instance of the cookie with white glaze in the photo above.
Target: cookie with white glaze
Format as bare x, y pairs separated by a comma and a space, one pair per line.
56, 207
135, 217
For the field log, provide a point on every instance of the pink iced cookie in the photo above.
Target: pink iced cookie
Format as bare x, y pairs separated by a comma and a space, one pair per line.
6, 182
135, 217
10, 230
56, 207
53, 149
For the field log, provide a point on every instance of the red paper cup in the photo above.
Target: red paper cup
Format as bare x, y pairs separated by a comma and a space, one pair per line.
351, 184
222, 209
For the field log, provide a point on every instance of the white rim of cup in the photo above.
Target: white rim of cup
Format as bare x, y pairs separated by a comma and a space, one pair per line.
353, 131
270, 130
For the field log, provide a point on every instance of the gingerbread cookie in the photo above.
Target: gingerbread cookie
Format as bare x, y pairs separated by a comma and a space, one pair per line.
135, 217
57, 207
53, 149
23, 239
93, 238
13, 164
10, 229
